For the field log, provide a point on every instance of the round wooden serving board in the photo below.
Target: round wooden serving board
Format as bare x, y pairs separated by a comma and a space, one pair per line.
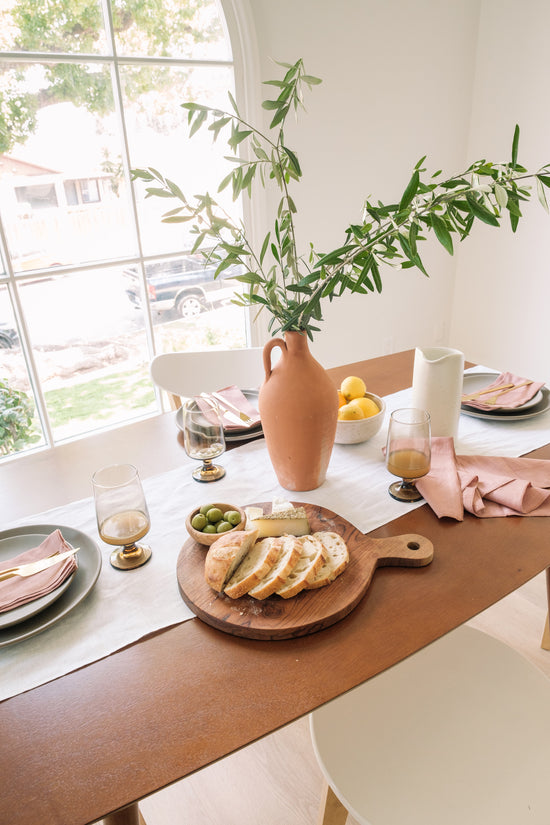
310, 610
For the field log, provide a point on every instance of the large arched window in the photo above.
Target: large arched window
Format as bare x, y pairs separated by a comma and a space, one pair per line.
92, 284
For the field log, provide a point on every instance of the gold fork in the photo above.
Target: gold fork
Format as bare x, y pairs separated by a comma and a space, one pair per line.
493, 398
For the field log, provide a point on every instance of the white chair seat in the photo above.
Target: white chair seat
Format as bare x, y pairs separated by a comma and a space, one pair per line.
184, 374
458, 734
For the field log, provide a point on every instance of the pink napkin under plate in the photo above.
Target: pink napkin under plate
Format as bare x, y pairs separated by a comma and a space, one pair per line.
486, 486
18, 591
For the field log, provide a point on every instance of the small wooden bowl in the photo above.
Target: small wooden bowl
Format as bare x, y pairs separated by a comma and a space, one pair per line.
210, 538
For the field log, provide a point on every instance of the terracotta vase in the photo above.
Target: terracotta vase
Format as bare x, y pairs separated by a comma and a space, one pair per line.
299, 409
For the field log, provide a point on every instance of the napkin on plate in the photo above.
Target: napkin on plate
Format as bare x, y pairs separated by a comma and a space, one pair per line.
487, 486
236, 397
19, 590
508, 400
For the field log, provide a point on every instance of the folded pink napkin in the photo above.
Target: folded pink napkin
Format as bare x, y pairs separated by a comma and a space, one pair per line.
487, 486
18, 590
509, 399
234, 396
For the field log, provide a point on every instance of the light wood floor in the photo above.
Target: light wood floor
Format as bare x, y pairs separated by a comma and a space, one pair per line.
277, 781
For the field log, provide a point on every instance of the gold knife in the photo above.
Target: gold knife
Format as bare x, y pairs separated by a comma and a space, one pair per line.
34, 567
245, 419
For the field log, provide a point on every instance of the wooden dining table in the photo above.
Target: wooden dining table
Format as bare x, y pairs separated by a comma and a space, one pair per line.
91, 744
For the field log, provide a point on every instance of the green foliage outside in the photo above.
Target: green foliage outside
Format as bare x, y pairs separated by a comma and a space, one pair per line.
156, 28
16, 419
283, 280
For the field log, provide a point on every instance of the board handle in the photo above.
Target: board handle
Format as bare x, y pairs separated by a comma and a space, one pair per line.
407, 550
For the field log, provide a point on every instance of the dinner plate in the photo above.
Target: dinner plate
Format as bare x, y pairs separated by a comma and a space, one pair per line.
235, 433
474, 382
78, 586
11, 546
515, 414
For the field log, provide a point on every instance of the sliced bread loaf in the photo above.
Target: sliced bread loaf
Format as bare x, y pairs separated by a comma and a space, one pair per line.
336, 558
289, 553
311, 559
225, 555
256, 564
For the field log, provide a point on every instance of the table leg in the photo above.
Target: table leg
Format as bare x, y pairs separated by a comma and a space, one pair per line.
331, 812
126, 816
545, 644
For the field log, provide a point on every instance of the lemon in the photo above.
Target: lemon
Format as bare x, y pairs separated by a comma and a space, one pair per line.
350, 412
341, 399
367, 405
353, 387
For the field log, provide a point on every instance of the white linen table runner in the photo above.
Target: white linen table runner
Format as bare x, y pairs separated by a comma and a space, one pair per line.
125, 606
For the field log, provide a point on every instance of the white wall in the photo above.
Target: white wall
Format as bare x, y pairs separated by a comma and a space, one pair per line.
404, 78
502, 295
397, 84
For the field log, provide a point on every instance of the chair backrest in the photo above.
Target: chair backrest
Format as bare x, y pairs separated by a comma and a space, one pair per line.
184, 374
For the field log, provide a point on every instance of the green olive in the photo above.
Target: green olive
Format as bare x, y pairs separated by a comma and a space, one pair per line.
199, 521
232, 516
223, 527
205, 508
210, 528
214, 515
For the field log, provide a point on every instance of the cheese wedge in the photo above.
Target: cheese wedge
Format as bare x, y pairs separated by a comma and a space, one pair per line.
292, 522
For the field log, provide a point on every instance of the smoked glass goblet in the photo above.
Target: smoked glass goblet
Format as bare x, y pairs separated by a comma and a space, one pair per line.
408, 451
122, 514
203, 437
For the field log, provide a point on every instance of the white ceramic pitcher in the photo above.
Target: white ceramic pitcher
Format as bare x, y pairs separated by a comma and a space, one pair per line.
437, 386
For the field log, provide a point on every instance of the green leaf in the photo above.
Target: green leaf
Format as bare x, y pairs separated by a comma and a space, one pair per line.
410, 191
544, 179
501, 195
293, 159
515, 144
542, 194
442, 233
481, 212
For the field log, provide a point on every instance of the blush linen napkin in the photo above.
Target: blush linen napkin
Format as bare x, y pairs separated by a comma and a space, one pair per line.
17, 591
510, 399
236, 397
486, 486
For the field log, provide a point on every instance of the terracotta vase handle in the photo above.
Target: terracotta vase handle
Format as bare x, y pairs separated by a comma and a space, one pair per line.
274, 342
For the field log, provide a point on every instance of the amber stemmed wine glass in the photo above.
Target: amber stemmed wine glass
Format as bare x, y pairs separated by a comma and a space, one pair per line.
203, 437
122, 514
408, 451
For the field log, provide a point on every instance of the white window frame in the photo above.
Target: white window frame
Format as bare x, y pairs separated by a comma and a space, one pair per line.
237, 17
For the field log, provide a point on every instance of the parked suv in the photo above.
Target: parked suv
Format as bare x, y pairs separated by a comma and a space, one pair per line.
184, 284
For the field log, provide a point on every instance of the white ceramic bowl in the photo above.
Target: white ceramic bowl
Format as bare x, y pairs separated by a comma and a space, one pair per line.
355, 432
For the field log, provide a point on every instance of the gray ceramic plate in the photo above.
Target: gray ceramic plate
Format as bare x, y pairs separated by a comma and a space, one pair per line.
235, 433
477, 380
77, 587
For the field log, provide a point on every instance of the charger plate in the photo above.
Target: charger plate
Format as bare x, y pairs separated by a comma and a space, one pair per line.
42, 615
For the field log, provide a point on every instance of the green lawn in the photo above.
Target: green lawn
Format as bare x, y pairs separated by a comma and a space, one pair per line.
99, 398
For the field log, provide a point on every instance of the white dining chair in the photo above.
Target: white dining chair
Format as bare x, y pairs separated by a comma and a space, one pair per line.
457, 734
184, 374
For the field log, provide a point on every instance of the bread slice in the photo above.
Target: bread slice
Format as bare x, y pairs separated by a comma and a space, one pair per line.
289, 553
258, 561
225, 555
311, 559
336, 558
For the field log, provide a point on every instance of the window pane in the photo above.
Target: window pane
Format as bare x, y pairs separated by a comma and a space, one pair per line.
158, 136
90, 348
19, 423
52, 26
62, 195
191, 29
190, 308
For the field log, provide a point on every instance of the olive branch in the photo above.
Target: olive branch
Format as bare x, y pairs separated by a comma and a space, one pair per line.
291, 287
